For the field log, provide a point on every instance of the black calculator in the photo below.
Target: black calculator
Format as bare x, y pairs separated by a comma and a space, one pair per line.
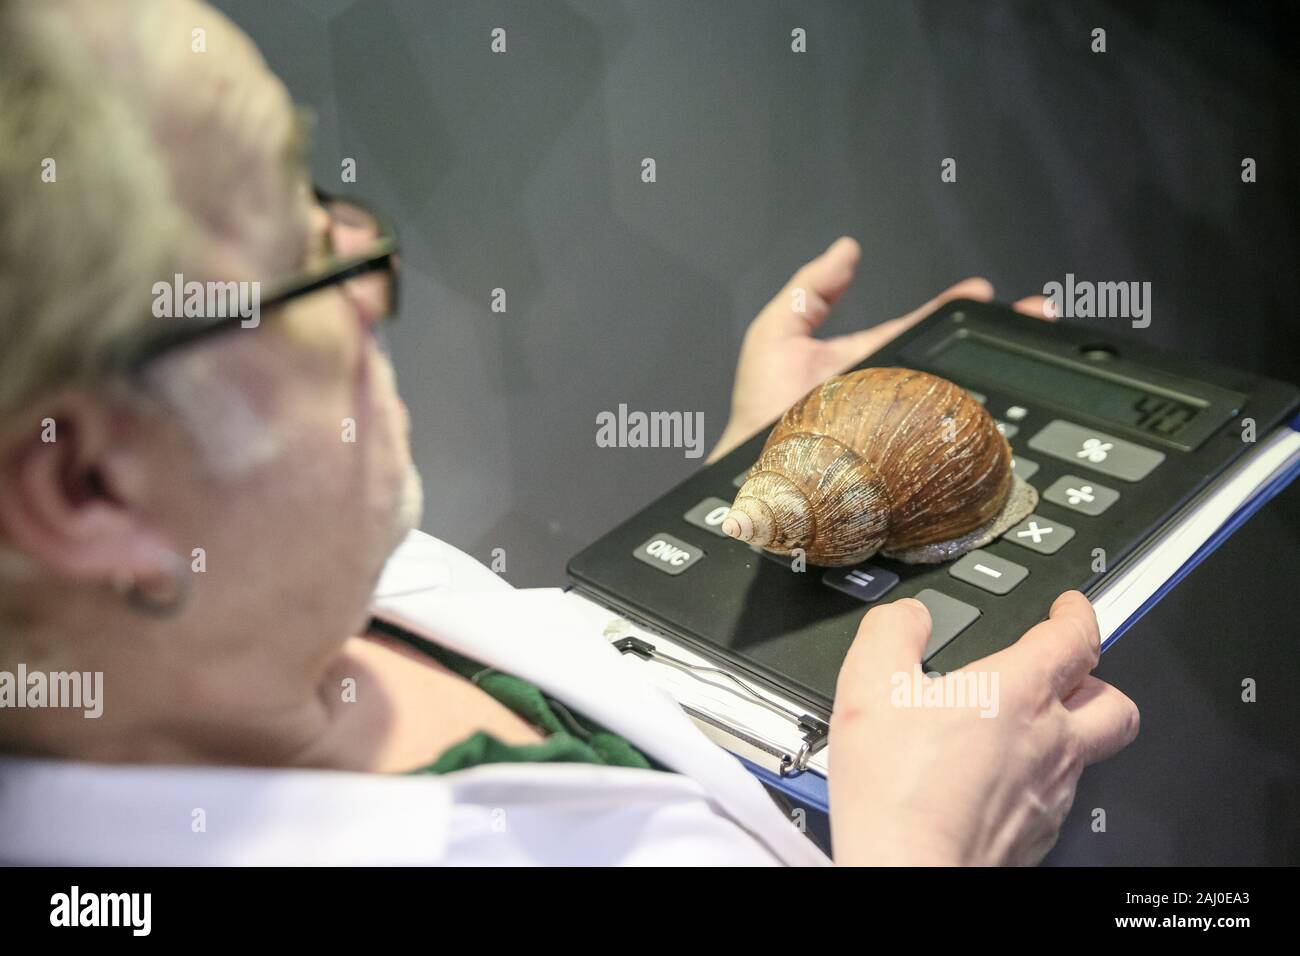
1117, 436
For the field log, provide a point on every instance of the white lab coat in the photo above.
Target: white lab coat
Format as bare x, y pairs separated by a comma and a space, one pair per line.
709, 811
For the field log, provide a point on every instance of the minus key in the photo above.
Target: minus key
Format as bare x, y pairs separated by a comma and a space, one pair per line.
989, 572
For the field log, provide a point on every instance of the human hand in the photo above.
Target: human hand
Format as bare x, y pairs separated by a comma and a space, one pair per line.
913, 782
780, 360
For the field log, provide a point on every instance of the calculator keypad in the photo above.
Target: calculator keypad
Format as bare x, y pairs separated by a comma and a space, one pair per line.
988, 571
1040, 534
864, 581
670, 555
948, 618
1082, 495
708, 514
1023, 467
1096, 450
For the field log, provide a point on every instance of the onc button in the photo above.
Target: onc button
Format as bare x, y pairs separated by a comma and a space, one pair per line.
668, 554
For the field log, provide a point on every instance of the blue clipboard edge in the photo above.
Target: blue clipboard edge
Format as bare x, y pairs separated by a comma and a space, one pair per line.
809, 789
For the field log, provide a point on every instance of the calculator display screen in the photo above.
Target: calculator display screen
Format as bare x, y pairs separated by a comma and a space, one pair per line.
971, 356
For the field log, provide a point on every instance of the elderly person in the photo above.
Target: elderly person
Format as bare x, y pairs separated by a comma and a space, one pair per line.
204, 509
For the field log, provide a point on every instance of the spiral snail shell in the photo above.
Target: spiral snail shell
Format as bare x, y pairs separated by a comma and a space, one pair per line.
885, 460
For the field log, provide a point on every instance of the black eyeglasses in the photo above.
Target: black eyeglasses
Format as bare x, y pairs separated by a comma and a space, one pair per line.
369, 276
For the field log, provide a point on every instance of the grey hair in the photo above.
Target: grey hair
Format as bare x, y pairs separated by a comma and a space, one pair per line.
123, 160
86, 222
162, 161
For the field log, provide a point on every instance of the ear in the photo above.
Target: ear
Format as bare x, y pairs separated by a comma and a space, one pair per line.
72, 490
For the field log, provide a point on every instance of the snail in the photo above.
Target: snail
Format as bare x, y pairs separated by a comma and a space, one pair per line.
886, 460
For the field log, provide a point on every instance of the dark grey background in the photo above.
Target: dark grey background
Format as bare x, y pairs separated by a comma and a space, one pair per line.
522, 171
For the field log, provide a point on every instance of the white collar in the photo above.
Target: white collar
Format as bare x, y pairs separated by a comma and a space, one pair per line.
543, 636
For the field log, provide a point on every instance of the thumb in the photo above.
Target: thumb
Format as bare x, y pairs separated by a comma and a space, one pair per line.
853, 347
891, 638
806, 299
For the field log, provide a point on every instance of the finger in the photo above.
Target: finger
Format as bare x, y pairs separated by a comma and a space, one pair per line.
855, 346
891, 638
806, 299
1064, 648
1105, 719
1037, 306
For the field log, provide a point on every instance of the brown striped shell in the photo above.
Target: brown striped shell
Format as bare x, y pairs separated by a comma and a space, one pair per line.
881, 459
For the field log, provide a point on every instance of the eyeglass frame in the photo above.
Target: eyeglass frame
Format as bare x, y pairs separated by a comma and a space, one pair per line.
335, 271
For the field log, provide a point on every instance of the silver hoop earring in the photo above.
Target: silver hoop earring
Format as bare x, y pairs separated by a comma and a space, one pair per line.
163, 596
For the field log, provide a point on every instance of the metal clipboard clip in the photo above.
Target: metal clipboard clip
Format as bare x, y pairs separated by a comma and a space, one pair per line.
813, 732
749, 720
